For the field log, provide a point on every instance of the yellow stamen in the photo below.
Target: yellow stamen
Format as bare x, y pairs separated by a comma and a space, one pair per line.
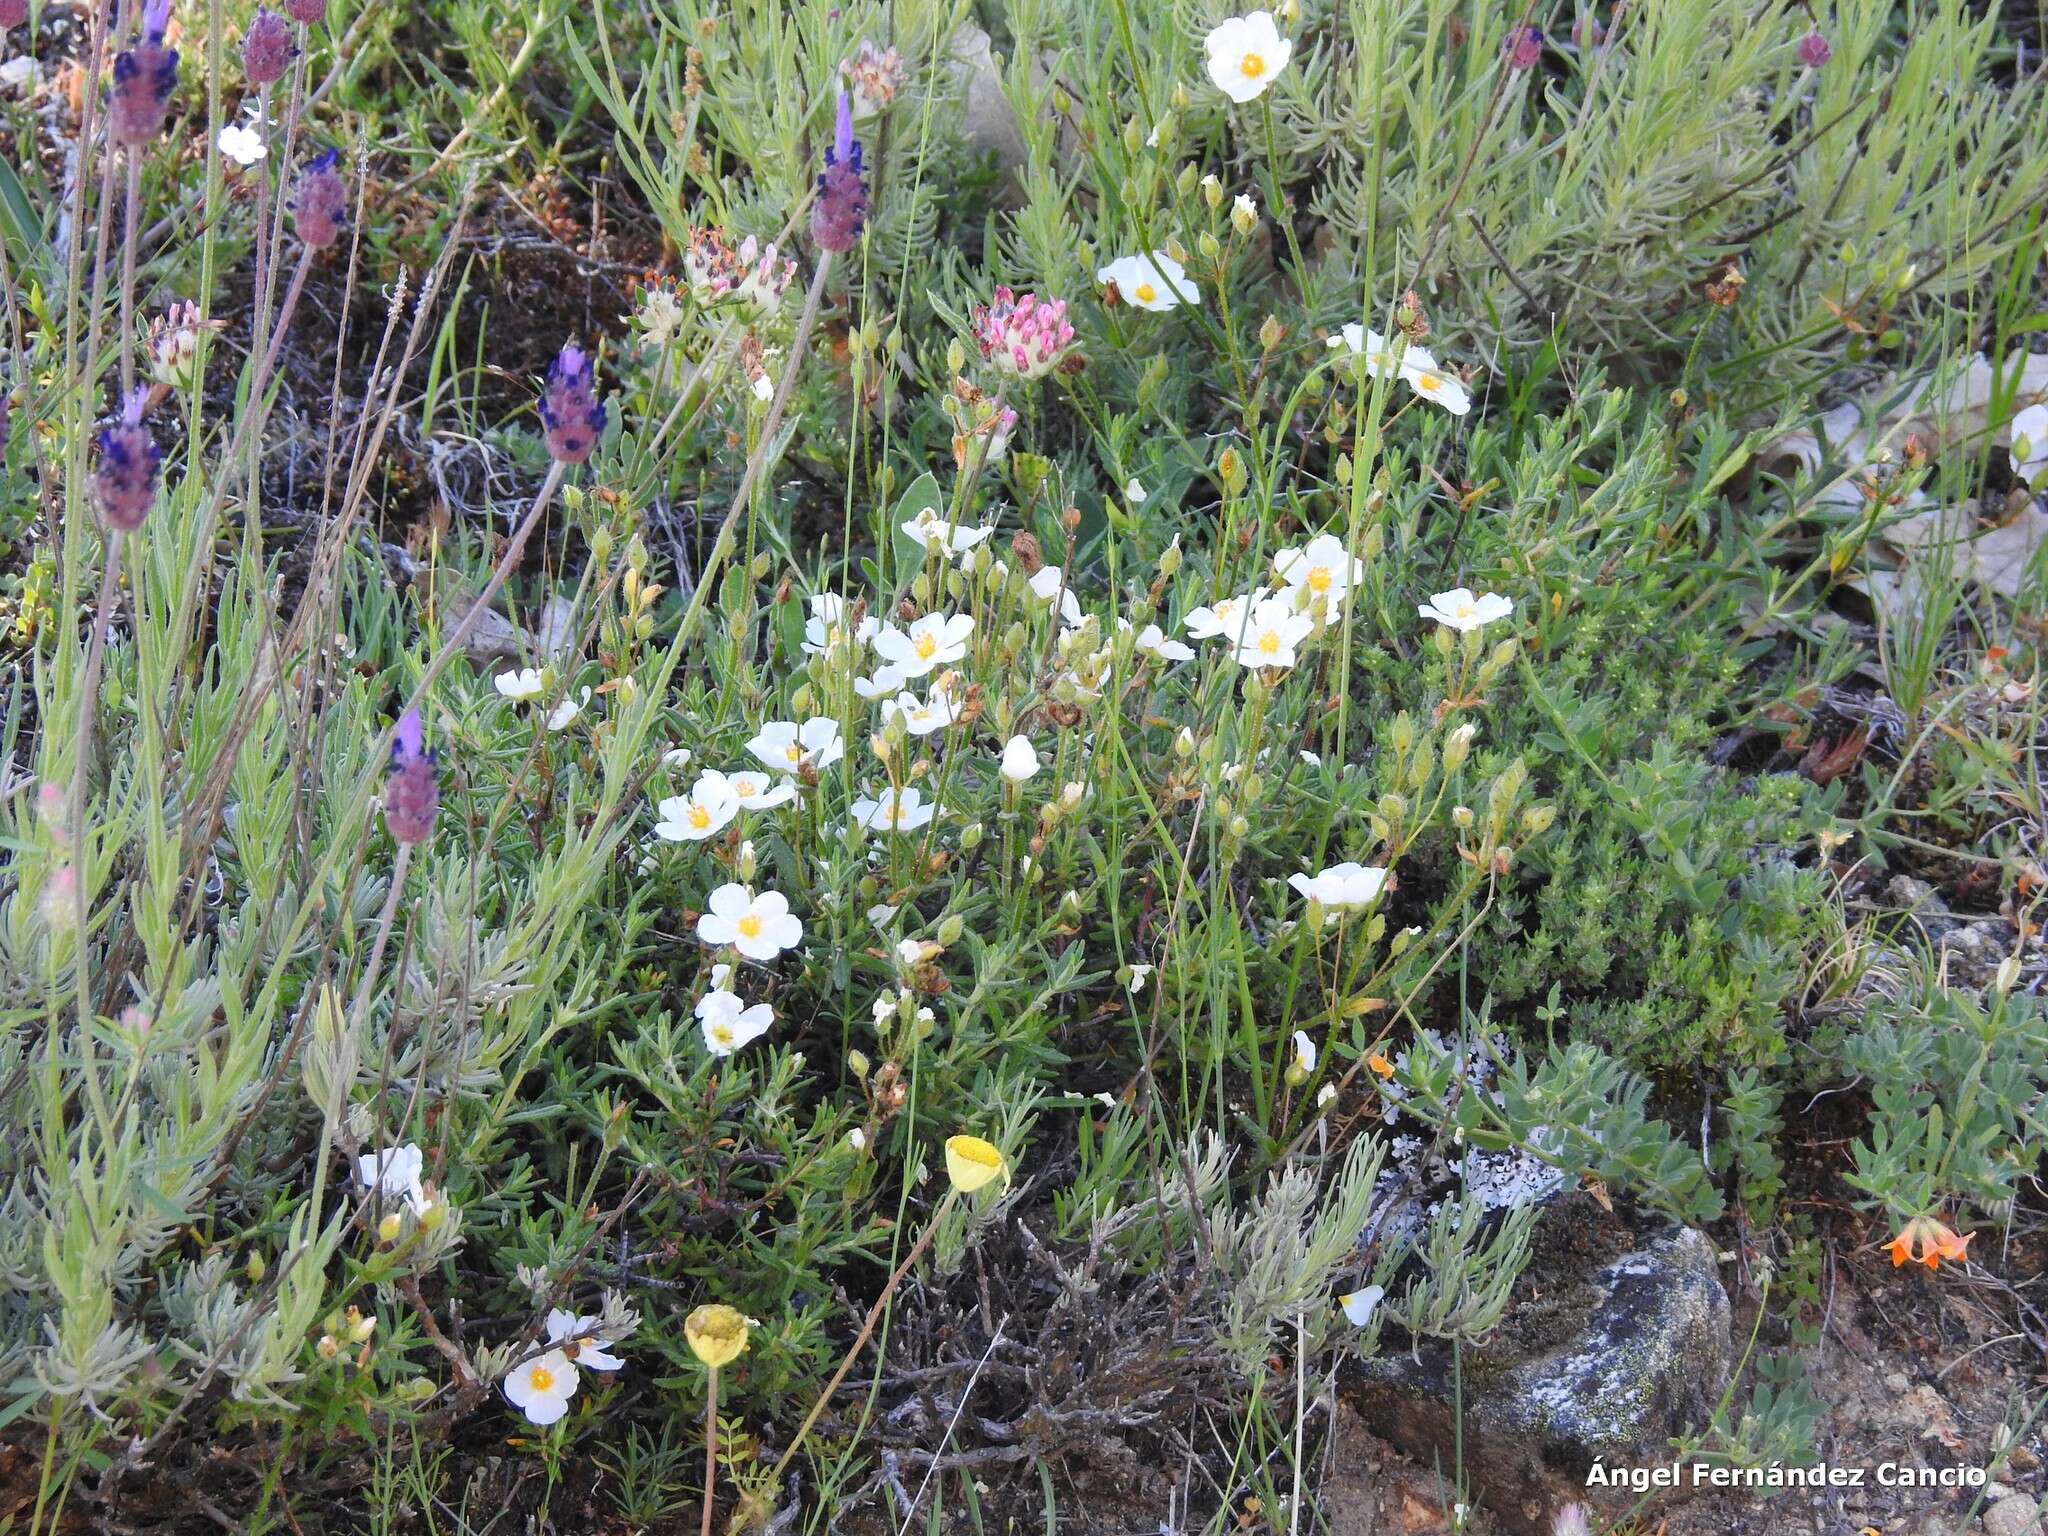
1252, 67
927, 646
1146, 293
1319, 579
749, 926
540, 1378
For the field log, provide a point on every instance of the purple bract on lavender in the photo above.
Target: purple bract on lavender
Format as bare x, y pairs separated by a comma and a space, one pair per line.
144, 77
412, 793
569, 407
12, 14
842, 205
1814, 50
125, 481
310, 12
320, 207
267, 48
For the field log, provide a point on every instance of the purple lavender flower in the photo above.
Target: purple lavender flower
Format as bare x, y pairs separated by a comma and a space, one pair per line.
144, 77
310, 12
12, 14
125, 482
1814, 50
842, 205
320, 209
267, 48
569, 407
412, 793
1524, 48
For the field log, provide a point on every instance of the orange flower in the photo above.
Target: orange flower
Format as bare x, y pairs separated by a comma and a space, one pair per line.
1923, 1240
1380, 1064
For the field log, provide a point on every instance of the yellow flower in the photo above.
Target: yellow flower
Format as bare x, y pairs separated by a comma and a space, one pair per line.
717, 1334
972, 1162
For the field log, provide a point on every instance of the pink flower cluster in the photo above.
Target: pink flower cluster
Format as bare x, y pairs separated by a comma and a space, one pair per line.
1026, 336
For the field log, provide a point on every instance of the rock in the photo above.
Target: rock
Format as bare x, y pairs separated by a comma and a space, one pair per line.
1605, 1366
987, 122
2013, 1516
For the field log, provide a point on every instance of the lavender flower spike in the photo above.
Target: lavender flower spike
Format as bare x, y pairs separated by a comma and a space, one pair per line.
320, 209
842, 205
267, 48
569, 408
125, 481
144, 77
12, 14
412, 794
310, 12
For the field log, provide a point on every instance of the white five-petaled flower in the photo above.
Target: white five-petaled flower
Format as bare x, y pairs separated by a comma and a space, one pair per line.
1152, 641
1359, 1306
564, 714
826, 626
1461, 610
950, 539
1434, 382
1151, 280
1382, 356
577, 1338
1020, 759
895, 811
541, 1387
395, 1174
704, 812
759, 927
921, 716
1341, 887
242, 144
1245, 53
936, 640
1271, 633
1321, 568
728, 1023
518, 685
886, 683
757, 791
1304, 1051
787, 746
1049, 582
1224, 620
2030, 442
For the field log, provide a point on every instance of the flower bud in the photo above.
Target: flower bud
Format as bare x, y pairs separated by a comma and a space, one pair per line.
144, 77
412, 790
125, 482
1814, 50
717, 1334
841, 207
950, 930
389, 1226
267, 48
569, 408
1212, 191
972, 1162
320, 206
1244, 215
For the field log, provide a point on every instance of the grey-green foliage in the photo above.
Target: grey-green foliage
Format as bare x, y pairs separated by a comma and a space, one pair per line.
1571, 1106
1468, 1262
1278, 1253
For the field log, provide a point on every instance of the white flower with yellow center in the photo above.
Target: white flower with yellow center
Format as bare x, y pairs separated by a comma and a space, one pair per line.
758, 791
786, 746
704, 812
1222, 621
1382, 355
1321, 568
936, 640
950, 539
1153, 280
1359, 1306
729, 1023
564, 714
1271, 633
921, 717
759, 927
1464, 611
895, 811
1245, 53
1434, 382
541, 1388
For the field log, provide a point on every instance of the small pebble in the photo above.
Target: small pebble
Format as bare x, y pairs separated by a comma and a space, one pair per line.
2014, 1516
